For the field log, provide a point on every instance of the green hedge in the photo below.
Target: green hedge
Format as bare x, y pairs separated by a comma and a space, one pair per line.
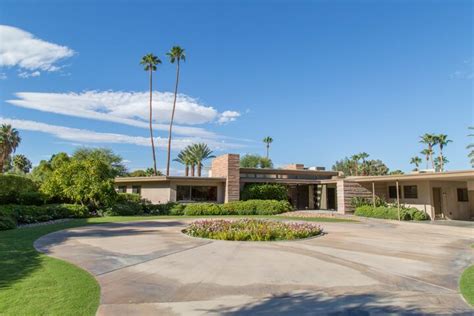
264, 191
250, 207
390, 212
13, 214
18, 190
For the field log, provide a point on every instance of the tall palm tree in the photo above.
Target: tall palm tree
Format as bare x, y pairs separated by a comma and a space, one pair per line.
355, 162
439, 162
9, 141
21, 164
427, 153
200, 152
176, 54
416, 161
184, 157
442, 141
268, 140
471, 147
430, 140
364, 156
150, 62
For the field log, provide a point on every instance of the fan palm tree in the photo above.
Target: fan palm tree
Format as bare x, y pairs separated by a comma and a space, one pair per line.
416, 161
440, 161
355, 163
199, 153
21, 164
176, 54
427, 153
430, 140
365, 168
442, 141
184, 157
9, 141
268, 140
150, 61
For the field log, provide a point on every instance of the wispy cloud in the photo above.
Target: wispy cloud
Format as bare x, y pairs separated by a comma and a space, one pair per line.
228, 116
130, 108
85, 136
23, 50
26, 74
466, 71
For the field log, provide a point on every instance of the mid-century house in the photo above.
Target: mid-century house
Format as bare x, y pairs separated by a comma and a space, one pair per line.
448, 195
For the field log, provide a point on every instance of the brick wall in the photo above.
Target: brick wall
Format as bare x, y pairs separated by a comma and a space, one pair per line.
228, 166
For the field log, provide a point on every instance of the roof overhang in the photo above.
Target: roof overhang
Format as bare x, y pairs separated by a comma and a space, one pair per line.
462, 175
168, 179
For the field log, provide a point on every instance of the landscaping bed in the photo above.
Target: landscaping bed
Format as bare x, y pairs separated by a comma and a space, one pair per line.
251, 230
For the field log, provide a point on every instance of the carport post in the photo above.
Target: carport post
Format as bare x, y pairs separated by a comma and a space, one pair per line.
398, 201
373, 193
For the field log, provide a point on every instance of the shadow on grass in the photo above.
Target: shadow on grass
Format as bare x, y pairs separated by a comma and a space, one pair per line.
318, 304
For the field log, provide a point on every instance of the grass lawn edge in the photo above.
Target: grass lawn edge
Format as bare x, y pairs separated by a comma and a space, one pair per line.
466, 285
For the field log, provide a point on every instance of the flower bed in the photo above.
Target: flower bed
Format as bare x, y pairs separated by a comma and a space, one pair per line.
251, 230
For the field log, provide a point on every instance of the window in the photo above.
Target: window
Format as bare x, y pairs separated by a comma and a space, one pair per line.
410, 192
392, 192
462, 195
136, 189
122, 189
196, 193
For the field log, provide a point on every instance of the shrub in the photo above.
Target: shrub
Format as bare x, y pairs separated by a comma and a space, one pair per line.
257, 191
124, 208
27, 214
390, 212
251, 230
257, 207
170, 208
13, 186
357, 201
203, 209
128, 197
31, 198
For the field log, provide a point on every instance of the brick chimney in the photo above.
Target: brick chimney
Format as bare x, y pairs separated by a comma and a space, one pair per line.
228, 166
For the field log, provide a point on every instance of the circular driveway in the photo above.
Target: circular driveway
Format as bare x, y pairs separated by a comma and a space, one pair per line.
373, 267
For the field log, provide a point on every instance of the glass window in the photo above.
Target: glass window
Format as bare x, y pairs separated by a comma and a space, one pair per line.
462, 195
183, 193
122, 189
204, 193
392, 192
410, 192
136, 189
196, 193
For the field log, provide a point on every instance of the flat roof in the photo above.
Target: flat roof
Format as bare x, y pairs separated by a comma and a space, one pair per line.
459, 175
165, 179
288, 171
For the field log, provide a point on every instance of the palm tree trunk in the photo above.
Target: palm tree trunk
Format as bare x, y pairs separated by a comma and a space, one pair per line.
192, 170
441, 162
199, 168
186, 170
151, 126
172, 118
431, 157
268, 148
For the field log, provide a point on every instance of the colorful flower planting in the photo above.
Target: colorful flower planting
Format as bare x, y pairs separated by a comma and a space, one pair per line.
251, 229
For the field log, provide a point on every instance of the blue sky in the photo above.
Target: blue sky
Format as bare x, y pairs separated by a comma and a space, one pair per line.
325, 79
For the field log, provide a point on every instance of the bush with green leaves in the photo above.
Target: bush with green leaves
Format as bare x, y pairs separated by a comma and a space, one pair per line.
257, 207
194, 209
264, 191
391, 212
26, 214
13, 188
357, 201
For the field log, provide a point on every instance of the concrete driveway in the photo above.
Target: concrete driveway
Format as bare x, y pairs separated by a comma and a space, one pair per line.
373, 267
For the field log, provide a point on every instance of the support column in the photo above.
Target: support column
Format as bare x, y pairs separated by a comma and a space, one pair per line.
373, 193
398, 201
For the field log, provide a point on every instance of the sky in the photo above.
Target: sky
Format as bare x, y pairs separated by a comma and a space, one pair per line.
324, 79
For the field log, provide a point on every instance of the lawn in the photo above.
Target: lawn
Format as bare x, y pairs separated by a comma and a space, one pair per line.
32, 283
466, 285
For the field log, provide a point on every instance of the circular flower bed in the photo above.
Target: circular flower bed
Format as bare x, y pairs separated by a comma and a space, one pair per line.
251, 229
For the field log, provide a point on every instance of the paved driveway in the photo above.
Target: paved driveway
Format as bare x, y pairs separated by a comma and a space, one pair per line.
365, 268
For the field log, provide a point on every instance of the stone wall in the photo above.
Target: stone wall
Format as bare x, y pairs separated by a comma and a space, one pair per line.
228, 166
346, 190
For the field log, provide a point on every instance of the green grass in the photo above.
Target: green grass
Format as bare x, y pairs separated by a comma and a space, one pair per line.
466, 285
32, 283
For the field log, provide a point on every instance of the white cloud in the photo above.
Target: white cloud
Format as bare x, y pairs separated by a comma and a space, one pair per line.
228, 116
467, 71
85, 136
22, 49
130, 108
26, 74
